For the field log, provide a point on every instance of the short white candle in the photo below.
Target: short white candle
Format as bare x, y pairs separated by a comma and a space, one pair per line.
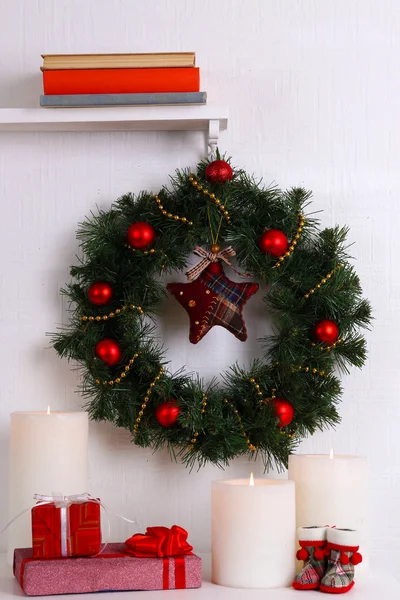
48, 454
332, 491
253, 533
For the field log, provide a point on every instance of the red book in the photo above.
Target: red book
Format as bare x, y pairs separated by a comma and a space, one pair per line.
121, 81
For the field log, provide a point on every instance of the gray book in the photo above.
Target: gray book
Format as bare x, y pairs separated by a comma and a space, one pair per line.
76, 100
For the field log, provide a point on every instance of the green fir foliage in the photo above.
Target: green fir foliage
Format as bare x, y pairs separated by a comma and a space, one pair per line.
292, 363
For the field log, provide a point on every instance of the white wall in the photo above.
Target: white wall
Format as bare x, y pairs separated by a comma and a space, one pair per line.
313, 93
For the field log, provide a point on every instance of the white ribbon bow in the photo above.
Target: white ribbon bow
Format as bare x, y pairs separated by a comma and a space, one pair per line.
64, 501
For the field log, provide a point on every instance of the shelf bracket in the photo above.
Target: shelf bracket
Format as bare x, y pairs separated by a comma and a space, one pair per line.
213, 135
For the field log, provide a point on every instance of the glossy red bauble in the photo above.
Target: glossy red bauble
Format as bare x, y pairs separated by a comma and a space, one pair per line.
100, 293
215, 268
326, 331
109, 351
141, 235
167, 413
273, 242
284, 410
219, 171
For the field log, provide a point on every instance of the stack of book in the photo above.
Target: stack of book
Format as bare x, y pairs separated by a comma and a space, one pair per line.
75, 80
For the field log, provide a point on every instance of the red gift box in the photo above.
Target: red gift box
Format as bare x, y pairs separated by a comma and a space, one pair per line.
113, 570
68, 527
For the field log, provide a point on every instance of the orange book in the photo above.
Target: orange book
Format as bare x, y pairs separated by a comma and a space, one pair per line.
121, 81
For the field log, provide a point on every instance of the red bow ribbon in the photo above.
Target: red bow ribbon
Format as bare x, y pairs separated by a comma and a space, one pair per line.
159, 542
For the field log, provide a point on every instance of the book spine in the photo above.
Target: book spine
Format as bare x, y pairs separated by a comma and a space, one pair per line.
118, 61
79, 100
121, 81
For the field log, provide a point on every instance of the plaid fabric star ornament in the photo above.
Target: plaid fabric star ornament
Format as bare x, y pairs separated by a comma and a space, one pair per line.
213, 299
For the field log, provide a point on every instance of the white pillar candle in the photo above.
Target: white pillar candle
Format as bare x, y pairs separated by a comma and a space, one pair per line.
332, 491
48, 454
253, 533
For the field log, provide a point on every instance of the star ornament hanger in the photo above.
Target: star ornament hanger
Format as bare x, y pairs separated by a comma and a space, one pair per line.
213, 299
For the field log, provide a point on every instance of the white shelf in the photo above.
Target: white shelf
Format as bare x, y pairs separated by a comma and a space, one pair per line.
384, 587
210, 118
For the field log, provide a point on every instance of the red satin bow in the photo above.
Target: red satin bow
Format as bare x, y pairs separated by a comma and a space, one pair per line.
159, 542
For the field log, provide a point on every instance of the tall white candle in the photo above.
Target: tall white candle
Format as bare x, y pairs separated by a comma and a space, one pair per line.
253, 533
48, 454
332, 491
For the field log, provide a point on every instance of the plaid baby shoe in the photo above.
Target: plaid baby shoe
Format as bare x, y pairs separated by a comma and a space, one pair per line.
313, 542
343, 555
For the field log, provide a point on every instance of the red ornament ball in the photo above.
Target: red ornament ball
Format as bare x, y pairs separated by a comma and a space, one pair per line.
356, 558
284, 410
100, 293
273, 242
219, 171
141, 235
215, 268
167, 413
109, 351
326, 331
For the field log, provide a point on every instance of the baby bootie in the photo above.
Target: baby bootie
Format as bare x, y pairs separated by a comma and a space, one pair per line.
343, 555
313, 543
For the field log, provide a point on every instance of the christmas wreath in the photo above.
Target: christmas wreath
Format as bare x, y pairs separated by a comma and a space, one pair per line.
313, 295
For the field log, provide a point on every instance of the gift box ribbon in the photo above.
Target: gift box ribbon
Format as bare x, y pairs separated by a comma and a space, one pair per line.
166, 543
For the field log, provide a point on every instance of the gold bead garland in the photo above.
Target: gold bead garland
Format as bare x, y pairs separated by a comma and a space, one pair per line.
145, 252
257, 388
221, 206
283, 431
196, 433
323, 281
329, 348
170, 215
152, 251
314, 371
239, 418
294, 241
122, 375
259, 392
149, 391
113, 313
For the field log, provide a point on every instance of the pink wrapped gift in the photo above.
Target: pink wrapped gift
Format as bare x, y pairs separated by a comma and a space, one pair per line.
113, 570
